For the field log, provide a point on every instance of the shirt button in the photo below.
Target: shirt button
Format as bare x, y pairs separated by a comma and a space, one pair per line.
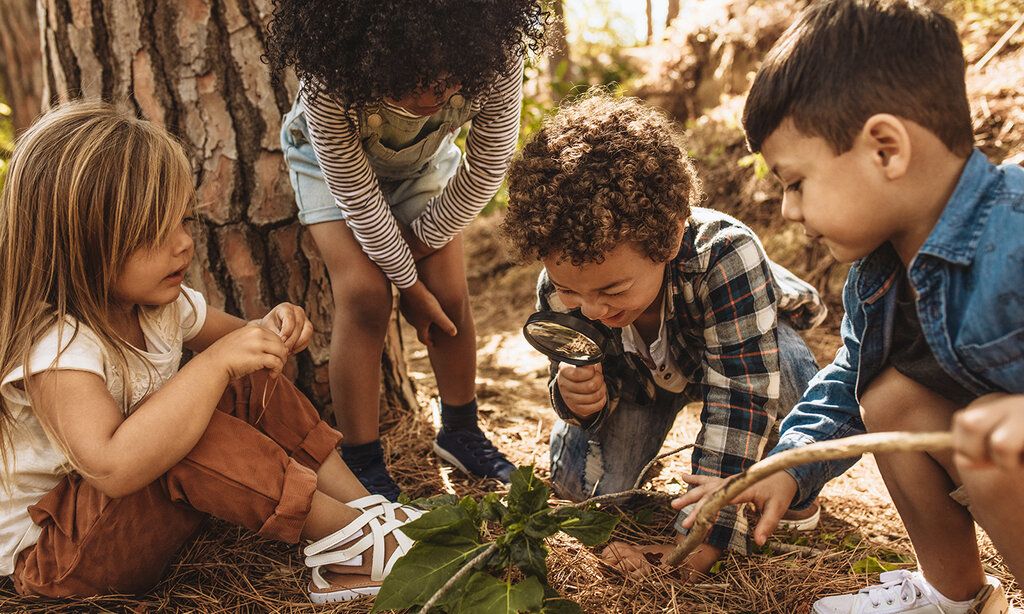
374, 120
661, 368
668, 376
457, 101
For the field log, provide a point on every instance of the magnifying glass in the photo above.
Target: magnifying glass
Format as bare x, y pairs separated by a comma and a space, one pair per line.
568, 337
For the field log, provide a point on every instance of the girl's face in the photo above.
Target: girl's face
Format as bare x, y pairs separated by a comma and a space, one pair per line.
425, 101
153, 275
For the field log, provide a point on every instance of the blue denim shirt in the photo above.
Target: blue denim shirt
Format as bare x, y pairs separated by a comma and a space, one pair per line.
969, 275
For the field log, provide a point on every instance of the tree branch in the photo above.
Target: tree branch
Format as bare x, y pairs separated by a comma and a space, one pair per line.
820, 451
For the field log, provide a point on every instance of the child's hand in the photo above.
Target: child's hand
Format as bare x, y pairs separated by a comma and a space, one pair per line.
246, 350
419, 249
421, 309
771, 496
291, 324
990, 431
583, 388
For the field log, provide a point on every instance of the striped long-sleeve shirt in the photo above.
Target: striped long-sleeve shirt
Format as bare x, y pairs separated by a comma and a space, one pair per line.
334, 134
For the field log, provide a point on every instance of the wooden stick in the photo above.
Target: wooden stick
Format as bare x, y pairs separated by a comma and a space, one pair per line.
820, 451
1005, 38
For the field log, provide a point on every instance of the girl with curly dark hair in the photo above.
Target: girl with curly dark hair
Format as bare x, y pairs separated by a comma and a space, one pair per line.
385, 88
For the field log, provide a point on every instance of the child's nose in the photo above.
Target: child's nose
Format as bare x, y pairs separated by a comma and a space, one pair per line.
593, 309
791, 210
183, 241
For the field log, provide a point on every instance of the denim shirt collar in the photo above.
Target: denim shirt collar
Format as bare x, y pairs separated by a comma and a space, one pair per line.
954, 238
956, 234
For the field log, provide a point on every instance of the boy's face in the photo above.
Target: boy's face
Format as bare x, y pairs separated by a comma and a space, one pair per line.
841, 200
615, 292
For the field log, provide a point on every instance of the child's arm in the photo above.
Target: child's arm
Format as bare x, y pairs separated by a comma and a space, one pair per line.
741, 373
122, 455
489, 148
289, 321
828, 410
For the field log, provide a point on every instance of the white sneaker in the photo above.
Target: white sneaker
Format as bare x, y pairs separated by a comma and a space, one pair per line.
907, 592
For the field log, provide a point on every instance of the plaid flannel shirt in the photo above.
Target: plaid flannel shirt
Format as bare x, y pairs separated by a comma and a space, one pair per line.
725, 298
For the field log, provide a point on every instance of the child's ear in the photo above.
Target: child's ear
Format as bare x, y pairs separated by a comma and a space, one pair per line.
885, 138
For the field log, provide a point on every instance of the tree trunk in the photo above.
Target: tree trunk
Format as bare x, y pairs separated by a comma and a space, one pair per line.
559, 60
673, 12
194, 67
650, 22
20, 61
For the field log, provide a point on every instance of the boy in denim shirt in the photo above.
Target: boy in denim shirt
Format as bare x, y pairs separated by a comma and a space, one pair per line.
602, 195
861, 111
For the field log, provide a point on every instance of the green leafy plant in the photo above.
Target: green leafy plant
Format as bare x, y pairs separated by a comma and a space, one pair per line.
453, 569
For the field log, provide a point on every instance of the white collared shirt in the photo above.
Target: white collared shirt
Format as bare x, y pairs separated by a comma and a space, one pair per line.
657, 356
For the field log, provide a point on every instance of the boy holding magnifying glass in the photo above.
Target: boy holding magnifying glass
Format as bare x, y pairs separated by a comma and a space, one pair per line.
603, 194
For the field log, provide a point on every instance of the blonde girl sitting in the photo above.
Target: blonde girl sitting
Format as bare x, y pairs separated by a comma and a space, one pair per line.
112, 455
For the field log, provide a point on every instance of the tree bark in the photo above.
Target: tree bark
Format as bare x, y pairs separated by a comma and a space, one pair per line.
20, 61
194, 67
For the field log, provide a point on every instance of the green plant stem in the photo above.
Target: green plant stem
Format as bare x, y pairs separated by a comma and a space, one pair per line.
461, 573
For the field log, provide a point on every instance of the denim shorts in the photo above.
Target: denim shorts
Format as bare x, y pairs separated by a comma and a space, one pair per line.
407, 197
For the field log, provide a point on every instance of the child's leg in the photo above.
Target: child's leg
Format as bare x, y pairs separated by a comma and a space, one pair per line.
997, 502
941, 530
283, 413
453, 359
585, 464
362, 309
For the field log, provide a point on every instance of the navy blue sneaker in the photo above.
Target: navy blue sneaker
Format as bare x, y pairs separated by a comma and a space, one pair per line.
472, 453
369, 468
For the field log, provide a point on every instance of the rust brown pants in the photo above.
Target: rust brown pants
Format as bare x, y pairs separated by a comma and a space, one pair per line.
254, 467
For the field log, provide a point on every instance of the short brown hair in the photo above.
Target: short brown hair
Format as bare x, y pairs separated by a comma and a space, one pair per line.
600, 172
846, 60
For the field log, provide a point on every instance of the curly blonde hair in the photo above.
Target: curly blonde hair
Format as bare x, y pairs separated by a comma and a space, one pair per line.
600, 172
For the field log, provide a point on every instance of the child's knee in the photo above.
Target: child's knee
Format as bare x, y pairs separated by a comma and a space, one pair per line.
894, 402
991, 487
455, 302
367, 305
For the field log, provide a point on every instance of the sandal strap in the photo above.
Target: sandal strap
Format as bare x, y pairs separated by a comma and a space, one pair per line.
347, 545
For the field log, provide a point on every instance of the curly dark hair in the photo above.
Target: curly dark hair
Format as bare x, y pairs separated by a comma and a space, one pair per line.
362, 51
602, 171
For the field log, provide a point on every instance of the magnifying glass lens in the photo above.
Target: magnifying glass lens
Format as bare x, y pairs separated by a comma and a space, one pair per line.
567, 337
563, 341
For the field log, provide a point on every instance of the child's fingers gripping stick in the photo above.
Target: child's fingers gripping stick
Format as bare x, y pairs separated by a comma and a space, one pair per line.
991, 431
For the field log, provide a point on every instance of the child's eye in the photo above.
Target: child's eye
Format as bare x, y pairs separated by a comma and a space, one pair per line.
564, 291
795, 186
619, 293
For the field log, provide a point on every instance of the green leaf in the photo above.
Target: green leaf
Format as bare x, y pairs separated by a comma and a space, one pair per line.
528, 494
542, 524
870, 564
716, 568
421, 572
485, 594
491, 507
429, 503
592, 527
530, 555
556, 604
469, 505
444, 525
852, 541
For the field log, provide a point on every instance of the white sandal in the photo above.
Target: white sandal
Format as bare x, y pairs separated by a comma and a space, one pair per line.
347, 545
